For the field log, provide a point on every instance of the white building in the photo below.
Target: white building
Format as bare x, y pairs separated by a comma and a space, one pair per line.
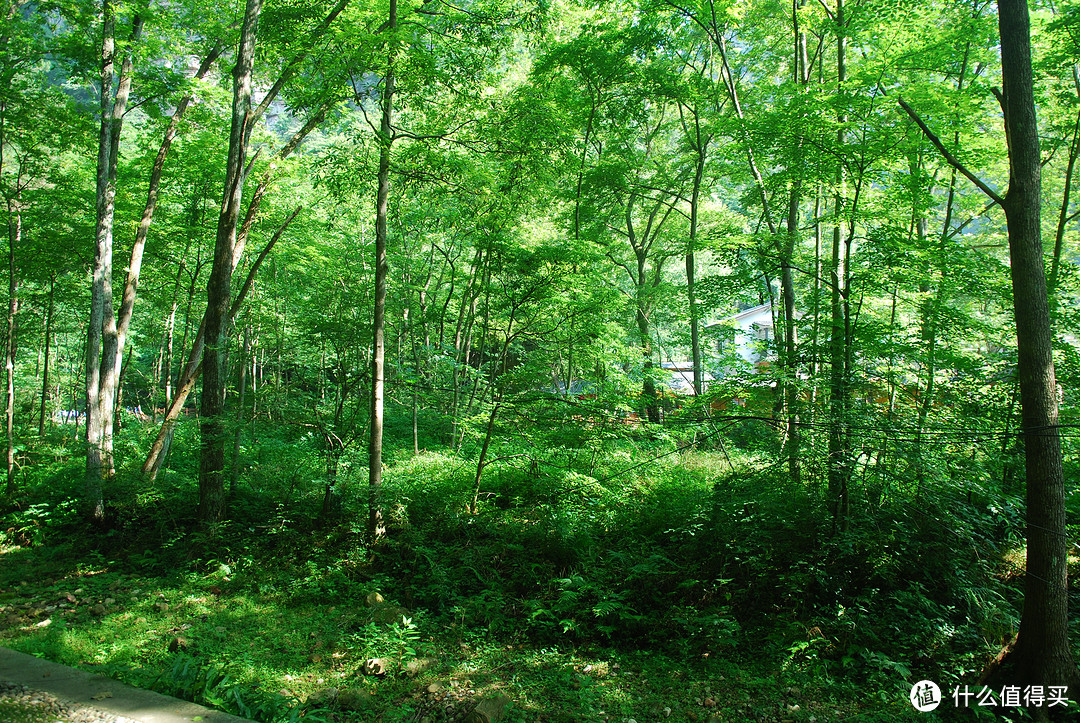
750, 332
679, 377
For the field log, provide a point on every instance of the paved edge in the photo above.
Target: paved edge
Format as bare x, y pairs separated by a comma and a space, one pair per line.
96, 691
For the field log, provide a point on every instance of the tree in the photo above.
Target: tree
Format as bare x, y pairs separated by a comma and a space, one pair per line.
1041, 654
230, 241
378, 323
102, 351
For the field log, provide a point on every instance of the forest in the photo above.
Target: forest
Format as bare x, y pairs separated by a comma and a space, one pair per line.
545, 360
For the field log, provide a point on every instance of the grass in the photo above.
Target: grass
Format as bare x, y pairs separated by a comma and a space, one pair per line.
697, 587
291, 631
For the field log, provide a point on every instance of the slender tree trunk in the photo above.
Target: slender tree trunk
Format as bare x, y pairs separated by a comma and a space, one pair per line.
45, 366
839, 442
790, 350
691, 279
482, 461
14, 240
119, 405
648, 384
101, 280
1063, 216
219, 287
115, 349
167, 341
375, 527
463, 341
245, 355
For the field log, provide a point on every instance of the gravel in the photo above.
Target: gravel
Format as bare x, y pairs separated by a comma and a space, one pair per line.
34, 706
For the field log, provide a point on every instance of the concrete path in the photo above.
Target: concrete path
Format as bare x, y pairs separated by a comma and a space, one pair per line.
95, 691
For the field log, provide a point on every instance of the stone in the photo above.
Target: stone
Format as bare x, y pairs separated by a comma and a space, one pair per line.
324, 697
353, 699
390, 614
419, 665
489, 710
376, 666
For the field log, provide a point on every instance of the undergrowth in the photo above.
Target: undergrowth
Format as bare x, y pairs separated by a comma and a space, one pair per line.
635, 576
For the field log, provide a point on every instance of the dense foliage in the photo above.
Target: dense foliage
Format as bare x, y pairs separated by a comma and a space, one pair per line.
580, 457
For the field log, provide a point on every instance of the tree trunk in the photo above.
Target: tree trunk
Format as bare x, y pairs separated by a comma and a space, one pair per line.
165, 373
691, 292
375, 526
102, 383
839, 442
160, 448
790, 366
14, 240
101, 279
482, 461
1042, 655
1063, 216
245, 356
219, 287
48, 350
114, 350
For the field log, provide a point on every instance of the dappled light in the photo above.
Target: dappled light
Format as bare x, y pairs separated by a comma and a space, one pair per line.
540, 362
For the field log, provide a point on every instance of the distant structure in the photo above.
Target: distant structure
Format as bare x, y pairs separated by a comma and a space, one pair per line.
750, 332
679, 378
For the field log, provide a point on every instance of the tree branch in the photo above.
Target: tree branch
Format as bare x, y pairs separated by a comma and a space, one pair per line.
949, 157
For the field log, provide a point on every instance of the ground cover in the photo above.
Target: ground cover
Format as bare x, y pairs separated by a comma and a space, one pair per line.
698, 587
223, 638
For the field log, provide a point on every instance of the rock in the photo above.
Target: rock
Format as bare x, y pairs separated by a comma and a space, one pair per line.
390, 614
374, 599
376, 666
353, 699
489, 710
415, 667
323, 698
